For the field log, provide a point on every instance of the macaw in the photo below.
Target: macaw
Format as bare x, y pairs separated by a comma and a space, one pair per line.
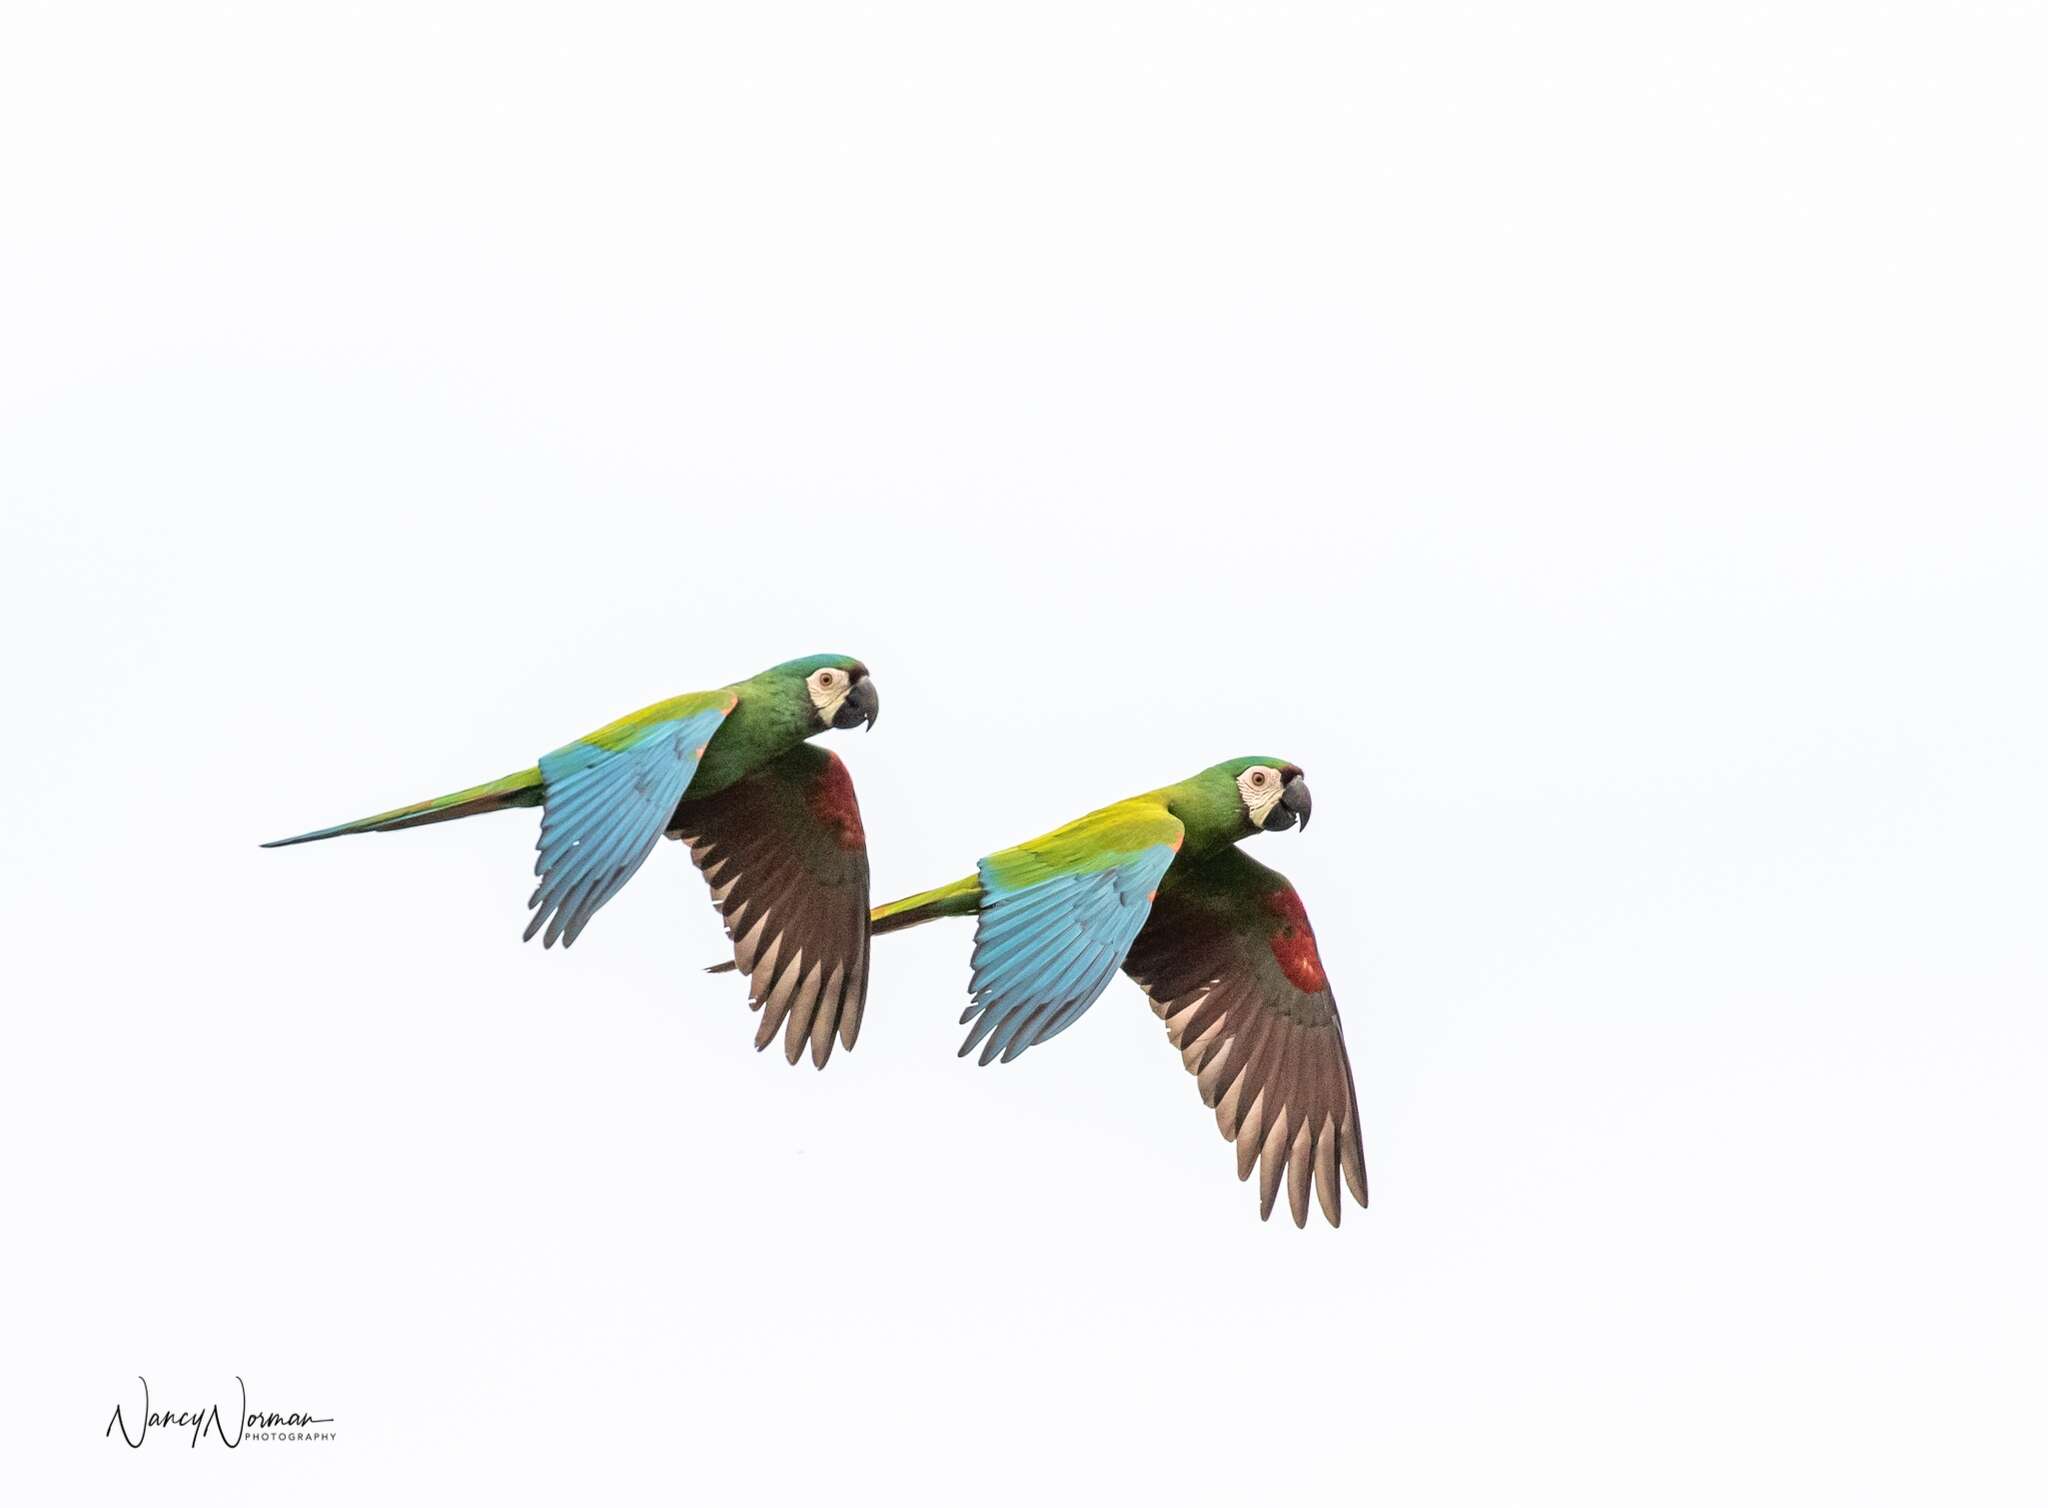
1219, 943
770, 820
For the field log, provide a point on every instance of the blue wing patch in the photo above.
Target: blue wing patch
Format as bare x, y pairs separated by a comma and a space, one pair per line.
1044, 953
605, 808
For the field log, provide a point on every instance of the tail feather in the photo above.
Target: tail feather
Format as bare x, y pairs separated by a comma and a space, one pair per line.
961, 898
522, 789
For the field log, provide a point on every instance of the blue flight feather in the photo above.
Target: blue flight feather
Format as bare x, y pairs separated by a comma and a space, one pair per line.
1043, 953
604, 810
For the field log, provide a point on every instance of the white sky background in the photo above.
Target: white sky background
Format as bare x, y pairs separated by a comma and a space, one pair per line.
1601, 443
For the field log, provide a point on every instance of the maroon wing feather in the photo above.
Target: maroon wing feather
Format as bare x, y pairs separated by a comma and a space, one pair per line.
787, 861
1230, 964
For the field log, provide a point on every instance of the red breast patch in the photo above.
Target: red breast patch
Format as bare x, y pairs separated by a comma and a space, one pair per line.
832, 802
1294, 943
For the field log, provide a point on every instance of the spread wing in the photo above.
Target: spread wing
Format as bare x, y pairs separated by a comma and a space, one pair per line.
1057, 916
787, 861
1231, 965
607, 799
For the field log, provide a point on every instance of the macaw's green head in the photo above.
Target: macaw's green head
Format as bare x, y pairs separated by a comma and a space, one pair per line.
1272, 794
835, 689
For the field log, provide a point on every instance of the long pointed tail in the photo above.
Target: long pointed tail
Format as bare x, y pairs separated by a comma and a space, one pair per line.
961, 898
522, 789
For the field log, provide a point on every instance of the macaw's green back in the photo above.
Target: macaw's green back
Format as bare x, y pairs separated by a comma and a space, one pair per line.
1088, 845
1199, 814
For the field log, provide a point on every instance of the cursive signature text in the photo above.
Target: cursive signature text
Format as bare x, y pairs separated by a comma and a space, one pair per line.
207, 1421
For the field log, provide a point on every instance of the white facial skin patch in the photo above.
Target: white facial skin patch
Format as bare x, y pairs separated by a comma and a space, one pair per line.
828, 688
1259, 788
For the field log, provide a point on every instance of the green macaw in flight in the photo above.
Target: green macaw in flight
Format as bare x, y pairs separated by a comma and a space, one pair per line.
1219, 942
770, 820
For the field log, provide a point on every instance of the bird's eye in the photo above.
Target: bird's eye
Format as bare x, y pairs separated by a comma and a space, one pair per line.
1258, 777
824, 678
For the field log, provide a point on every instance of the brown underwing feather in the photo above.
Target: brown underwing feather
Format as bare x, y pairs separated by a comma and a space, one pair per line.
786, 859
1300, 1165
1230, 965
1327, 1193
1272, 1158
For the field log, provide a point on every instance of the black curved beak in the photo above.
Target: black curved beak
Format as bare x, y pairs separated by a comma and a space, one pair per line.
863, 704
1294, 800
